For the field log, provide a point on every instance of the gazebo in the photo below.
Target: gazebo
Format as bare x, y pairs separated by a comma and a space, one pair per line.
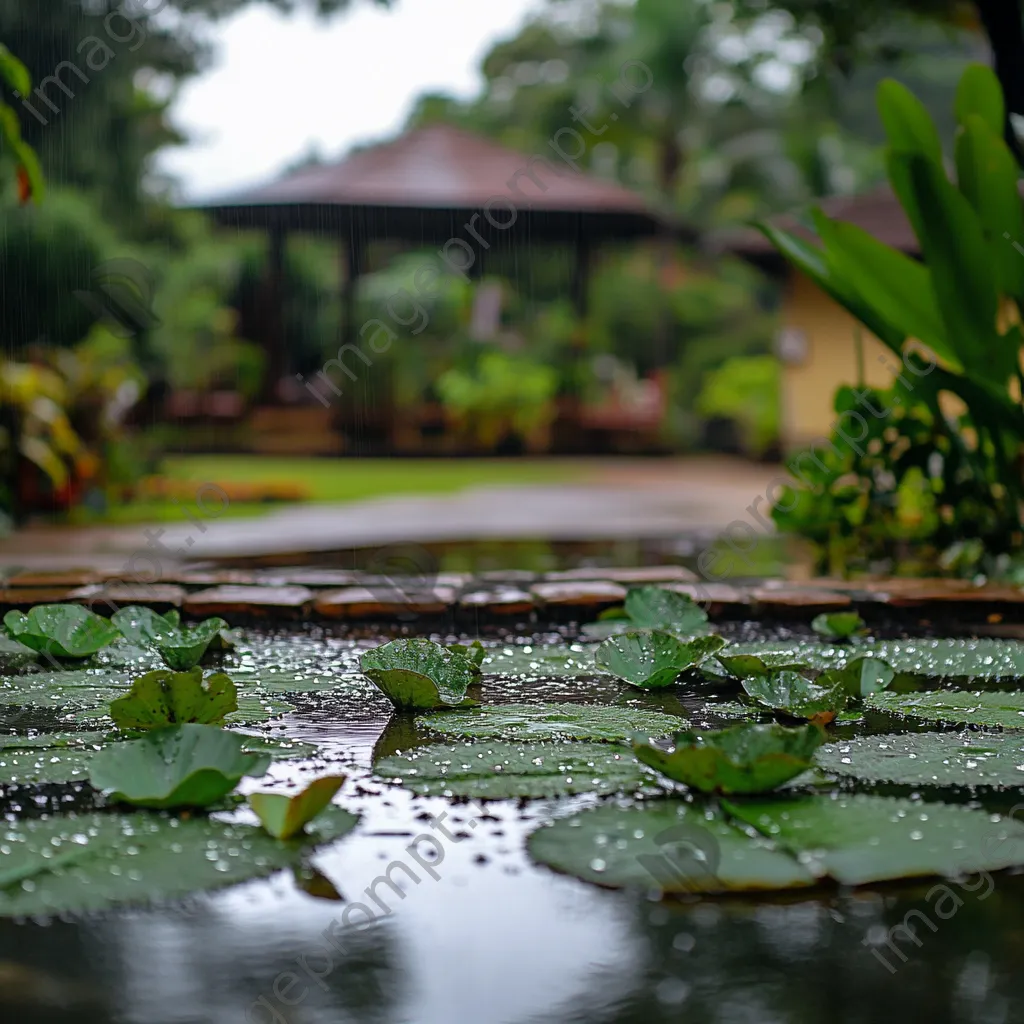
436, 187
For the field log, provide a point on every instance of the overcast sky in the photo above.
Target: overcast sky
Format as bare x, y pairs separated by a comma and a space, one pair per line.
281, 85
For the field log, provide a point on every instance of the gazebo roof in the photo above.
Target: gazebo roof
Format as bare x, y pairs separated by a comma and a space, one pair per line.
414, 185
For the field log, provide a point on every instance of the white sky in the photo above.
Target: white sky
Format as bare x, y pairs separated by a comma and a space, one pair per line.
281, 85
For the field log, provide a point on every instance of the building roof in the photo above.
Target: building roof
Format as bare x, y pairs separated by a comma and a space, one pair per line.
414, 183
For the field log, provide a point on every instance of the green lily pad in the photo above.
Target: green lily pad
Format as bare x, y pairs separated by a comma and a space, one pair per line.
861, 839
540, 660
418, 675
667, 846
474, 653
61, 630
253, 707
65, 757
180, 766
955, 707
796, 695
743, 666
554, 722
658, 608
651, 660
163, 698
930, 759
181, 647
746, 758
838, 625
286, 816
859, 678
498, 771
91, 862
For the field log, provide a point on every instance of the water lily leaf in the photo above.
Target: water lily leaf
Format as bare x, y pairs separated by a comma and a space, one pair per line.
163, 698
658, 608
930, 758
419, 674
956, 707
746, 758
65, 757
313, 882
838, 625
861, 839
860, 677
651, 660
91, 862
498, 771
667, 846
554, 722
797, 696
181, 647
180, 766
284, 816
554, 660
474, 653
742, 666
61, 630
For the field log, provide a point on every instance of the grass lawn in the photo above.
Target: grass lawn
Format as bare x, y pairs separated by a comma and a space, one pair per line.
340, 479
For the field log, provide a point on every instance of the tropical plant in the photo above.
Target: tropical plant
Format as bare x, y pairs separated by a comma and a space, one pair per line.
745, 389
962, 303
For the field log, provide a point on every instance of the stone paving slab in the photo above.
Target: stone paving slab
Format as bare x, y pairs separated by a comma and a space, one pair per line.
458, 597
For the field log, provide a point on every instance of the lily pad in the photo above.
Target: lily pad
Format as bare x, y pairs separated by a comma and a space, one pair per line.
498, 771
181, 766
474, 653
651, 660
540, 660
860, 677
419, 675
91, 862
658, 608
838, 625
930, 759
554, 722
797, 696
743, 666
955, 707
65, 757
163, 698
746, 758
284, 816
61, 630
181, 647
666, 845
861, 839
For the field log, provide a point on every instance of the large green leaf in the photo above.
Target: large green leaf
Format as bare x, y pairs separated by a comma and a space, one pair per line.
959, 260
13, 72
419, 674
796, 695
979, 94
163, 698
898, 288
61, 630
180, 766
651, 660
666, 846
658, 608
909, 127
285, 816
91, 862
746, 758
740, 666
540, 660
966, 759
554, 722
956, 707
498, 771
859, 678
861, 839
838, 625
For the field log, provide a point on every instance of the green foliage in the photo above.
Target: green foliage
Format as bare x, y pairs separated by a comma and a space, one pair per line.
163, 698
838, 625
61, 630
653, 660
286, 816
746, 389
797, 696
180, 647
921, 471
419, 675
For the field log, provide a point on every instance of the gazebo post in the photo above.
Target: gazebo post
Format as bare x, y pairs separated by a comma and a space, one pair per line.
277, 355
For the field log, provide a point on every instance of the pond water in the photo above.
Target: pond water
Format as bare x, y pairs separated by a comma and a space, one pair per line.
482, 935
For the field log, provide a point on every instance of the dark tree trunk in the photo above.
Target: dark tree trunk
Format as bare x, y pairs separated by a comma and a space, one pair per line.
1005, 30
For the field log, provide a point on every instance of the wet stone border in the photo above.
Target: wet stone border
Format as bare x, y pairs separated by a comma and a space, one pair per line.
466, 601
